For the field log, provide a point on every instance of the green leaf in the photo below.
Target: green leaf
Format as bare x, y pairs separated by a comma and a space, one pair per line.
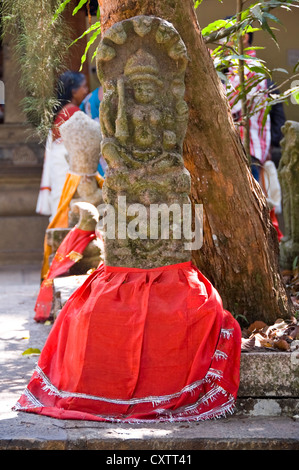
257, 13
90, 42
267, 28
60, 9
296, 67
261, 16
80, 5
31, 351
253, 48
213, 27
246, 57
94, 26
271, 17
251, 29
261, 70
94, 55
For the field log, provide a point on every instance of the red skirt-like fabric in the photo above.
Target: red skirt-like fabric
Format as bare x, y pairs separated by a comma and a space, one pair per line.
133, 345
68, 253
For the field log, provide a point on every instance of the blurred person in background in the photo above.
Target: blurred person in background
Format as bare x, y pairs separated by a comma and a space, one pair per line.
72, 88
91, 106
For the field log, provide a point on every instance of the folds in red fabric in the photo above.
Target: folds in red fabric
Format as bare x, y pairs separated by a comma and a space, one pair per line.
135, 345
69, 252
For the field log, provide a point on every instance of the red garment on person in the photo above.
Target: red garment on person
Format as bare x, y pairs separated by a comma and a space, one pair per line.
64, 114
68, 253
138, 345
275, 224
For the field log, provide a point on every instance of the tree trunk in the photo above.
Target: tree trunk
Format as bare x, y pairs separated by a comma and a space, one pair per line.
240, 248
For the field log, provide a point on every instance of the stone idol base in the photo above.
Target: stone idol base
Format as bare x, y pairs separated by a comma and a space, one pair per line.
269, 381
63, 288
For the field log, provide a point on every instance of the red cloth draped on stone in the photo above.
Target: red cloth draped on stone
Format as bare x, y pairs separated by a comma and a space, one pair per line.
133, 345
68, 253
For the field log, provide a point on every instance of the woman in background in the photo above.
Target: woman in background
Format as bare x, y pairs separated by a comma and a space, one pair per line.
71, 90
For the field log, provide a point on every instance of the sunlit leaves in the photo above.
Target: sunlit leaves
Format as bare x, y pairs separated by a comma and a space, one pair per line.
225, 35
256, 13
79, 6
63, 6
94, 36
215, 26
60, 9
95, 28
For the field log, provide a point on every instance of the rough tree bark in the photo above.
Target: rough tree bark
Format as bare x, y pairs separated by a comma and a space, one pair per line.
240, 250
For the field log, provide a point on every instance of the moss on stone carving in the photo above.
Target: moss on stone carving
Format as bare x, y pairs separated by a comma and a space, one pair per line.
143, 121
288, 177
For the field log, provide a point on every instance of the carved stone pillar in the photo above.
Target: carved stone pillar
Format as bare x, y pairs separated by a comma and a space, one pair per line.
288, 172
141, 64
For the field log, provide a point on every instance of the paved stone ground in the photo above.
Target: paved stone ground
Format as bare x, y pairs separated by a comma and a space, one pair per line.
24, 431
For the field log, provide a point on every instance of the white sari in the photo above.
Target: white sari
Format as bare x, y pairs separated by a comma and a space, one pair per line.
53, 177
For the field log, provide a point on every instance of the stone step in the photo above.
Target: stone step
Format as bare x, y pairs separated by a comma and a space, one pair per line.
30, 432
22, 239
269, 384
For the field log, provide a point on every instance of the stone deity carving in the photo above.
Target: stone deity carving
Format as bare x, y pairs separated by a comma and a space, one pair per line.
288, 171
82, 139
141, 64
93, 253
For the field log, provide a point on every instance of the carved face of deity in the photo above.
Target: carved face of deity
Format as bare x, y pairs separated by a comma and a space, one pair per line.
144, 91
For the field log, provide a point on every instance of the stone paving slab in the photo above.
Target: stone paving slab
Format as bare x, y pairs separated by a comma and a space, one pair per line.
31, 432
25, 431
